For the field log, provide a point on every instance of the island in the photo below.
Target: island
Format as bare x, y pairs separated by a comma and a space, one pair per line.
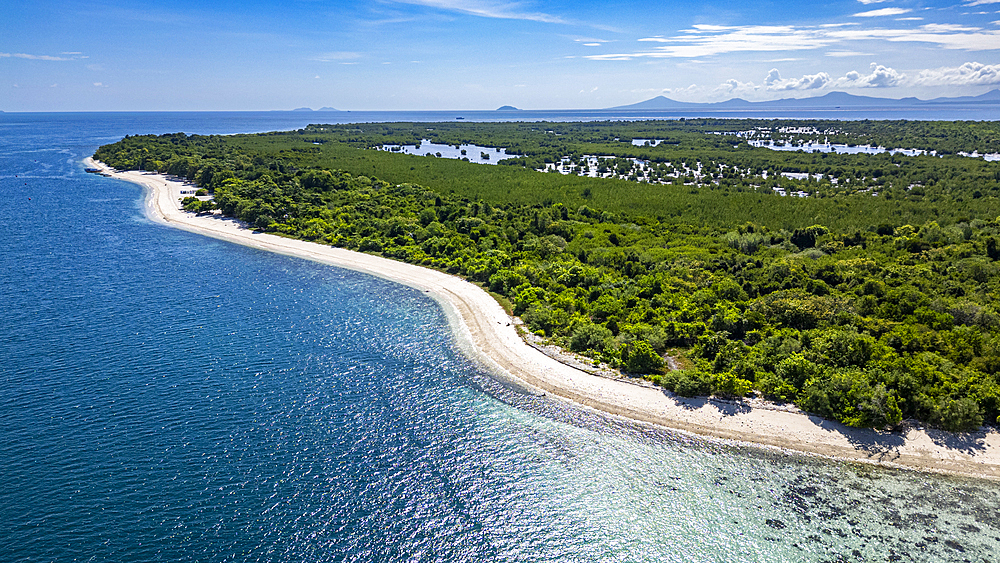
835, 299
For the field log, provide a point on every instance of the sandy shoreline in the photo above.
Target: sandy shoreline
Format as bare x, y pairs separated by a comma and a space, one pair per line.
486, 333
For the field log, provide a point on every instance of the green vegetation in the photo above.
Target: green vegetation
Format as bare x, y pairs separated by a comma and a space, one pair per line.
870, 301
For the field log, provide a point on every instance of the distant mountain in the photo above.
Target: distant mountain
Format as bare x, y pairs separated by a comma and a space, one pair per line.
661, 102
831, 100
507, 108
302, 109
325, 108
991, 97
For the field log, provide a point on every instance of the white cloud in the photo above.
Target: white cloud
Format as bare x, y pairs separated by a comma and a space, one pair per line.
882, 12
879, 77
100, 85
706, 40
866, 2
487, 9
592, 44
733, 87
776, 83
34, 57
847, 54
622, 57
969, 74
947, 28
982, 2
710, 40
946, 36
692, 92
336, 56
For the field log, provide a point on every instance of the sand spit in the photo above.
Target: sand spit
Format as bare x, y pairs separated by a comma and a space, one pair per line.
489, 335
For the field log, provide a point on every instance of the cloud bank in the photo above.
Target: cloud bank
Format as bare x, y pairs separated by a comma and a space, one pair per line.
969, 74
704, 40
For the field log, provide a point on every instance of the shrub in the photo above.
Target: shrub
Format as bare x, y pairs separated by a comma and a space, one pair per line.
774, 387
879, 408
588, 336
728, 384
639, 357
689, 383
956, 415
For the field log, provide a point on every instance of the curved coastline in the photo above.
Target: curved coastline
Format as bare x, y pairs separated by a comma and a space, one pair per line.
486, 333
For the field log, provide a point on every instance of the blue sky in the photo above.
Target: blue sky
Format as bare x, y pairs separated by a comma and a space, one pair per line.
481, 54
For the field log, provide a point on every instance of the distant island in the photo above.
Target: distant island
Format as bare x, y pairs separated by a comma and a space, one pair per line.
507, 108
831, 100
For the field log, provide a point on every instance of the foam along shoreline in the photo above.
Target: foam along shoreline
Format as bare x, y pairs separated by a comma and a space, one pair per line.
486, 333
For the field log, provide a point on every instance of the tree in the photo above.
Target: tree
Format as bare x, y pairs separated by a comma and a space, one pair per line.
588, 336
639, 357
957, 415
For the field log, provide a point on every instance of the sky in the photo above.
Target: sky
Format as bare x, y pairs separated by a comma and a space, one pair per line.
188, 55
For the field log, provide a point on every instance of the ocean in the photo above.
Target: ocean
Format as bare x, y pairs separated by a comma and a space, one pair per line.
170, 397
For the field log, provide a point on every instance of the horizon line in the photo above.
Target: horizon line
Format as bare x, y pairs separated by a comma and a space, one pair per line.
625, 107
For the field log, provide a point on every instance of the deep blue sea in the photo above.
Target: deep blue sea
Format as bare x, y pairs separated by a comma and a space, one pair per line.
170, 397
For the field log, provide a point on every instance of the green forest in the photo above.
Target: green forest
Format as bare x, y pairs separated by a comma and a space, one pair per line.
860, 287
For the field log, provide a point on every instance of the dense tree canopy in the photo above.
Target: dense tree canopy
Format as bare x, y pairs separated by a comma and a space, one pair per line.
865, 308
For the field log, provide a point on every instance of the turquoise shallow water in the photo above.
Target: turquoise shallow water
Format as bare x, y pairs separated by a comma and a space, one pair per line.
167, 397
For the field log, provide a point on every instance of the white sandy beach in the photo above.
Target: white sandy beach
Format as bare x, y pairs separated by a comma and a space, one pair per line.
488, 334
